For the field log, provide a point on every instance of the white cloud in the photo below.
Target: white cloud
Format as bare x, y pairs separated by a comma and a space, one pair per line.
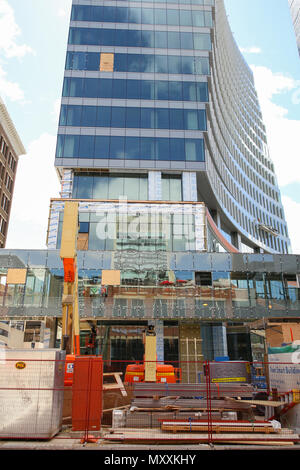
251, 50
283, 140
36, 183
62, 13
8, 89
9, 33
282, 132
292, 211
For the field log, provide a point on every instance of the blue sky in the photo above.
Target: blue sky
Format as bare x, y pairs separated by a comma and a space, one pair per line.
33, 38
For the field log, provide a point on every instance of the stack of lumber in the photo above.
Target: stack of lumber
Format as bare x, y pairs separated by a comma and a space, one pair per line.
151, 419
154, 436
215, 390
201, 425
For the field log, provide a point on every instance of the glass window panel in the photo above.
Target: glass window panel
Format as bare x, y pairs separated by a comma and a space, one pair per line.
92, 61
146, 63
132, 117
121, 37
59, 146
147, 118
100, 187
96, 13
88, 116
194, 150
162, 118
175, 91
105, 37
165, 189
122, 15
202, 65
75, 88
91, 88
103, 116
190, 119
208, 19
109, 14
173, 40
174, 64
173, 17
71, 146
134, 63
161, 39
198, 18
162, 149
86, 146
105, 88
119, 89
202, 119
133, 89
147, 39
63, 115
175, 189
134, 15
189, 91
148, 90
81, 13
160, 16
117, 147
186, 40
132, 148
96, 239
187, 64
118, 116
131, 188
185, 17
148, 148
84, 187
202, 41
115, 187
161, 90
120, 62
202, 92
177, 149
101, 146
143, 188
176, 118
161, 64
147, 16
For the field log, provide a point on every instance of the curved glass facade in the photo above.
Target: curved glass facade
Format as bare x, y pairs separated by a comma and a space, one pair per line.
164, 88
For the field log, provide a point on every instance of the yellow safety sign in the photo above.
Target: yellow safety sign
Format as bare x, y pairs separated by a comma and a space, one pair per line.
229, 379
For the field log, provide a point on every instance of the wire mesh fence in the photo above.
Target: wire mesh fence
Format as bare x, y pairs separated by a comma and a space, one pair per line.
49, 396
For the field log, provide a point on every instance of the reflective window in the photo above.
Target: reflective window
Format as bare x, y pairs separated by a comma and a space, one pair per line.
143, 15
135, 89
146, 148
137, 38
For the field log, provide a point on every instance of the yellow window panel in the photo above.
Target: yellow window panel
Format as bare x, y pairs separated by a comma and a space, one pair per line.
16, 276
106, 62
111, 277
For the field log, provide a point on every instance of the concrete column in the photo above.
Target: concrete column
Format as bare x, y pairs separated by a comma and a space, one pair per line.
236, 240
154, 186
189, 186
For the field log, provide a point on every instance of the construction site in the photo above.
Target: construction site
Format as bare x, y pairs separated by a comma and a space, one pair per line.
74, 394
164, 311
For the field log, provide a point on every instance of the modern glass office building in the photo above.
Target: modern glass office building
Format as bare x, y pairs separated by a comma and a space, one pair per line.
162, 144
158, 104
